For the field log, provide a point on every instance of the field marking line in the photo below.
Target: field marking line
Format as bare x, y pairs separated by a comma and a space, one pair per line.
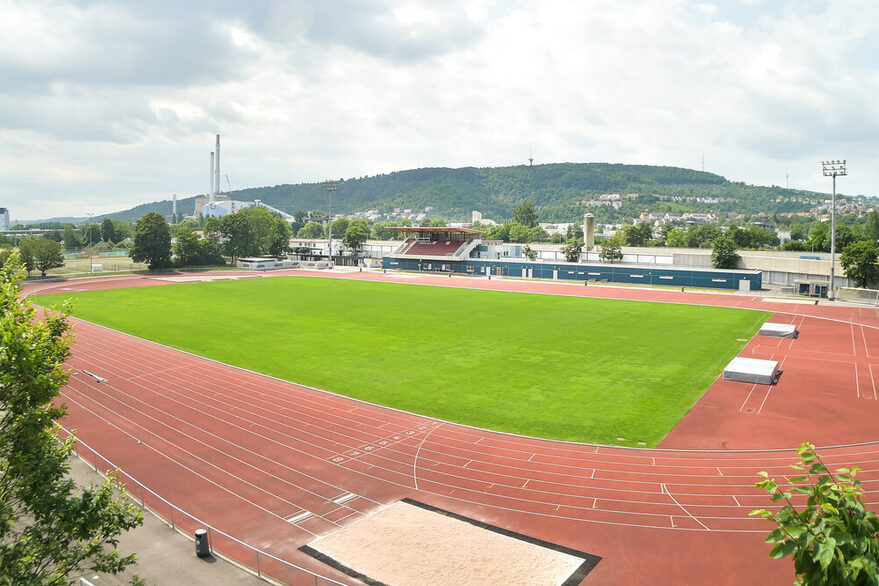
854, 346
115, 397
768, 392
188, 468
864, 337
872, 380
754, 386
857, 382
737, 501
418, 451
665, 489
718, 470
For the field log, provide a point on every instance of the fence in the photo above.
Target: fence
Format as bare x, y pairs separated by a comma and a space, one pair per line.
263, 564
866, 296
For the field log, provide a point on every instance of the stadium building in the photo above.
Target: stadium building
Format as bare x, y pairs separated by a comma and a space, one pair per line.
462, 251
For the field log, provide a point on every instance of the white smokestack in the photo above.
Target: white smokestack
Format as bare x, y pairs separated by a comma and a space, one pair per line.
217, 185
211, 192
174, 206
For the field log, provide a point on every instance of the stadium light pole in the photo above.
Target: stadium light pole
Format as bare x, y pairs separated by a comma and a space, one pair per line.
330, 187
89, 230
833, 169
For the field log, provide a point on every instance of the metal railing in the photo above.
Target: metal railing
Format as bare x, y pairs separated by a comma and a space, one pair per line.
265, 565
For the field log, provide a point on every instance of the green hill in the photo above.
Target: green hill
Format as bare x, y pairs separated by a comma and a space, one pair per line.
558, 190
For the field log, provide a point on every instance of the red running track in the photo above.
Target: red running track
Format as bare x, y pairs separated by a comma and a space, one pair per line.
245, 452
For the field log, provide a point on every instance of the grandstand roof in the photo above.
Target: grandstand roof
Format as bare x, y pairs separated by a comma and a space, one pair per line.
435, 229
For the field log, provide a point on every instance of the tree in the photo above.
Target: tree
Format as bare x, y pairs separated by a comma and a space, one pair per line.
572, 249
69, 237
525, 214
186, 247
871, 227
240, 240
279, 242
50, 530
339, 227
122, 230
47, 255
859, 262
637, 235
108, 231
5, 253
676, 238
499, 232
519, 232
380, 231
27, 249
356, 234
311, 230
529, 252
538, 234
611, 251
833, 539
152, 241
820, 235
91, 234
723, 253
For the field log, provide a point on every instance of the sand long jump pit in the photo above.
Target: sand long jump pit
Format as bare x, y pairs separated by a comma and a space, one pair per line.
412, 543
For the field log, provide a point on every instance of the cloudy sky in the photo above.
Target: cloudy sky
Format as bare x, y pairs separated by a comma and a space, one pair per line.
104, 105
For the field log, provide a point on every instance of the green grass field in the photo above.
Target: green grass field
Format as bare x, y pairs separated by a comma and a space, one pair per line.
558, 367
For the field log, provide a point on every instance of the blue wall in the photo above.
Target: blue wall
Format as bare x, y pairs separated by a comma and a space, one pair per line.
677, 277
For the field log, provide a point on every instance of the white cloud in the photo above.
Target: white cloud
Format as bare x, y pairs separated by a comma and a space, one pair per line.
104, 106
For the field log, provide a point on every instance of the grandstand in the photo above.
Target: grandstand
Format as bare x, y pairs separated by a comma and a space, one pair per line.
462, 251
437, 243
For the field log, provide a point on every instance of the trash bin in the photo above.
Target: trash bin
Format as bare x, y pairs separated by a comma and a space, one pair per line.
202, 547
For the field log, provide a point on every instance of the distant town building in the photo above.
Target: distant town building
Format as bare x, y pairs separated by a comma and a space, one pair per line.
4, 219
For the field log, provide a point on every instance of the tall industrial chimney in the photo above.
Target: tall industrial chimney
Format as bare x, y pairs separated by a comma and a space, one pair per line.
174, 207
589, 231
217, 186
211, 193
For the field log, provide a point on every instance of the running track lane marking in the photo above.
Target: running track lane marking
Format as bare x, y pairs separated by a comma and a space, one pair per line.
872, 380
857, 382
665, 489
864, 337
754, 386
760, 410
418, 451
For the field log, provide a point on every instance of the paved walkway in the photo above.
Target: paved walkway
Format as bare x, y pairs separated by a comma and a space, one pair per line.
164, 555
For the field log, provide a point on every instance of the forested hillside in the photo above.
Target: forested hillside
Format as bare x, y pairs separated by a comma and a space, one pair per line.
561, 192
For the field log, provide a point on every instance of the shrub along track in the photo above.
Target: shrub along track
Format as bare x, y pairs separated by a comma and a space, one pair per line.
248, 453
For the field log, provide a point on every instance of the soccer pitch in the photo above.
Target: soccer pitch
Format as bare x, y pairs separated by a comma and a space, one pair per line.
571, 368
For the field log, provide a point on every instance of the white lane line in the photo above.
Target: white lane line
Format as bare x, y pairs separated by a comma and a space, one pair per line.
854, 346
857, 382
665, 489
748, 397
300, 517
864, 337
418, 451
344, 498
872, 380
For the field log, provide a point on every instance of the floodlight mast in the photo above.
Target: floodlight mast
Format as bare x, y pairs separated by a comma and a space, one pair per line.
91, 267
833, 169
330, 187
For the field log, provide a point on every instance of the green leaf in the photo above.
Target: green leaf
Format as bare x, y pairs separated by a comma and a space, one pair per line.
824, 554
